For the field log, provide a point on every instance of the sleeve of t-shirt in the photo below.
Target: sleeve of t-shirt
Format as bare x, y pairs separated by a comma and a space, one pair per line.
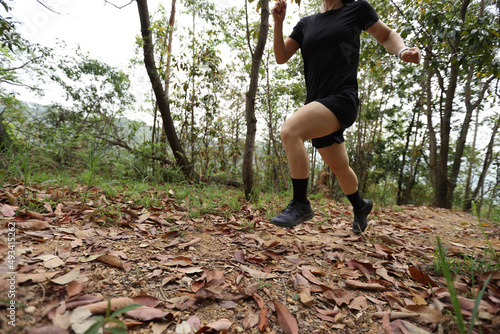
368, 16
298, 32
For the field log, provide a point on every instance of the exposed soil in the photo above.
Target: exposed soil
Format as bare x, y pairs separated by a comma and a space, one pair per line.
236, 273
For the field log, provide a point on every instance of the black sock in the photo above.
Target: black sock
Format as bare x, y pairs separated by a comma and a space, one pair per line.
356, 201
300, 190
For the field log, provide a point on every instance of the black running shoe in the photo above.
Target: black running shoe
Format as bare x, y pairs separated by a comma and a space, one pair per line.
359, 225
294, 214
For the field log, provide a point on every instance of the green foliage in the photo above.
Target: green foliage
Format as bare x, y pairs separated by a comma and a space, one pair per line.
470, 265
9, 38
446, 267
112, 318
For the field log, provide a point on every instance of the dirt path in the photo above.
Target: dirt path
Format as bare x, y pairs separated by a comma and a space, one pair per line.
226, 273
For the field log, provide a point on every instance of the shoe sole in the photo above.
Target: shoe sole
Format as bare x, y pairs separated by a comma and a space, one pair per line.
293, 225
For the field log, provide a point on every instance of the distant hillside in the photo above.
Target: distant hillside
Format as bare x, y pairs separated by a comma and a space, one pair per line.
35, 111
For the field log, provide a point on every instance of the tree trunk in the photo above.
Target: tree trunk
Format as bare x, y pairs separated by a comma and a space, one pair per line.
248, 175
271, 129
399, 200
192, 137
446, 185
171, 23
430, 125
472, 159
488, 159
163, 102
5, 141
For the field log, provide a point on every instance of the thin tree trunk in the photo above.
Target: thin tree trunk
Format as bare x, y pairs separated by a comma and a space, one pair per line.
399, 200
488, 159
163, 102
271, 128
5, 141
248, 174
471, 161
430, 126
193, 92
171, 23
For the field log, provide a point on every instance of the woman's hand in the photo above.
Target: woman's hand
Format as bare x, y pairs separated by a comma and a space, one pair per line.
279, 11
411, 55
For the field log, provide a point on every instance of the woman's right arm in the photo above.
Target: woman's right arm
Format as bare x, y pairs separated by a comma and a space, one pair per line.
283, 49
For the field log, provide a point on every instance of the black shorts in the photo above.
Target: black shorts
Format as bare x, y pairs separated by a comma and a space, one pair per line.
344, 106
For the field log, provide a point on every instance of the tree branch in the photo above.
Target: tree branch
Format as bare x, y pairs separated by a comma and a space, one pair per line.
119, 7
248, 29
17, 84
19, 67
122, 144
47, 7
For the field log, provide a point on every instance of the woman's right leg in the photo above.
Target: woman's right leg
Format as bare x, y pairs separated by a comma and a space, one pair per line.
335, 156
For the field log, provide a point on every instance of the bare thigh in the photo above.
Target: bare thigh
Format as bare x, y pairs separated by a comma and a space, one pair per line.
335, 156
313, 120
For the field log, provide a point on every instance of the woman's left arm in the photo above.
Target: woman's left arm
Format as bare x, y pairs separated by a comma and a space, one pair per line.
393, 42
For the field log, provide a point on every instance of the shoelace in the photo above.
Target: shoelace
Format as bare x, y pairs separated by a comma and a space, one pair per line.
292, 210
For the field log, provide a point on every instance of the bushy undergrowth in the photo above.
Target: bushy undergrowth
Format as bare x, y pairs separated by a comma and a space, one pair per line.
119, 171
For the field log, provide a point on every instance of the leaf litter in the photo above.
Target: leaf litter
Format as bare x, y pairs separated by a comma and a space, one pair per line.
223, 273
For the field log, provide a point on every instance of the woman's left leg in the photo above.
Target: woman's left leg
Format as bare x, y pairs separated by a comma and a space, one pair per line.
311, 121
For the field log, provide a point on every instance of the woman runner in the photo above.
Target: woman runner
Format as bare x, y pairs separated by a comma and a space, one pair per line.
329, 43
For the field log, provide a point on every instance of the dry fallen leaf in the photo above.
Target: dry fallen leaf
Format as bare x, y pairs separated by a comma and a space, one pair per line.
33, 224
81, 320
309, 275
75, 288
146, 300
257, 274
386, 324
340, 296
305, 296
116, 303
49, 329
35, 278
263, 319
414, 329
366, 286
251, 319
359, 303
285, 318
220, 325
147, 313
183, 328
426, 313
70, 276
111, 260
7, 211
420, 277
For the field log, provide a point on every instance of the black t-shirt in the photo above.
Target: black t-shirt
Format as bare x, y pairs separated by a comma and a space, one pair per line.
329, 43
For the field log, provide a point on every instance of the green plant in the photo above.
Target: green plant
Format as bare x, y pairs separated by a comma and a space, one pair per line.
101, 321
470, 264
137, 270
491, 250
263, 284
246, 226
445, 265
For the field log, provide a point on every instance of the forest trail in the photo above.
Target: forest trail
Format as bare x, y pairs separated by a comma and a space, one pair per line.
235, 273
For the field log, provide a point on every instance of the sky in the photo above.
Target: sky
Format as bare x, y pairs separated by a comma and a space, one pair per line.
104, 31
